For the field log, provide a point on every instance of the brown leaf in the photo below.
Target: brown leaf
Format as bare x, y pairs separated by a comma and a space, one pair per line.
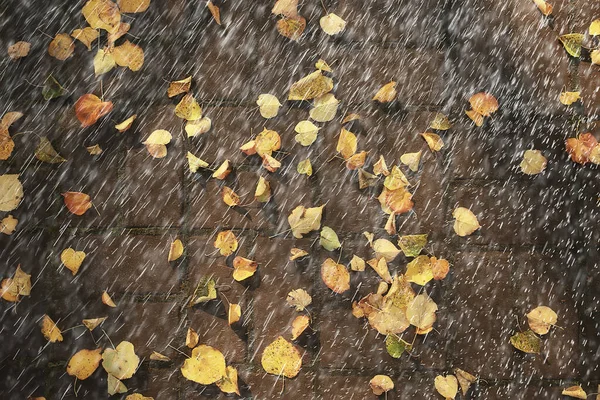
291, 27
215, 12
89, 109
77, 203
61, 47
19, 50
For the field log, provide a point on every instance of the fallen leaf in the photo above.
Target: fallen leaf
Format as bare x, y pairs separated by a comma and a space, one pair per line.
118, 33
296, 253
307, 132
262, 194
291, 27
366, 179
324, 108
386, 249
205, 291
155, 356
223, 171
572, 43
304, 220
347, 143
305, 167
419, 270
357, 263
194, 162
421, 311
115, 386
465, 221
332, 24
546, 8
230, 197
52, 89
381, 384
84, 363
229, 382
102, 14
156, 143
120, 362
126, 124
46, 153
475, 117
335, 276
50, 330
350, 117
440, 122
86, 36
234, 313
191, 338
381, 168
411, 245
131, 56
281, 358
77, 203
89, 109
93, 323
198, 127
226, 242
396, 201
61, 47
299, 325
19, 50
106, 299
243, 268
17, 286
380, 266
266, 142
440, 268
387, 93
575, 391
329, 239
580, 148
484, 104
447, 386
133, 6
289, 8
396, 346
8, 225
411, 160
214, 11
527, 342
72, 259
465, 380
395, 179
568, 98
533, 162
188, 108
323, 66
310, 87
434, 142
270, 163
541, 319
178, 87
94, 150
176, 250
299, 298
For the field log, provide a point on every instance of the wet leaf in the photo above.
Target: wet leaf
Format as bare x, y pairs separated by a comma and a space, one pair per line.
8, 225
305, 167
386, 249
137, 396
191, 338
72, 259
188, 108
50, 331
475, 117
129, 55
106, 299
176, 250
366, 179
544, 7
234, 313
19, 50
310, 87
119, 32
115, 386
178, 87
533, 162
93, 323
230, 197
465, 380
395, 179
243, 268
381, 384
229, 382
102, 14
155, 356
465, 222
329, 239
84, 363
541, 319
262, 194
380, 266
281, 358
296, 253
307, 133
194, 162
61, 47
226, 242
419, 270
52, 89
335, 276
77, 203
527, 342
411, 245
198, 127
89, 109
440, 122
381, 168
440, 268
94, 150
289, 8
291, 27
324, 108
299, 325
299, 298
103, 62
156, 143
357, 263
421, 311
396, 347
580, 148
120, 362
387, 93
572, 43
568, 98
17, 286
133, 6
411, 160
86, 36
304, 220
346, 144
484, 104
125, 125
223, 171
575, 391
447, 386
46, 153
332, 24
434, 142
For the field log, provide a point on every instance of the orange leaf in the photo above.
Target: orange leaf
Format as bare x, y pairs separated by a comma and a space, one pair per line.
484, 104
581, 147
89, 108
335, 276
77, 203
61, 47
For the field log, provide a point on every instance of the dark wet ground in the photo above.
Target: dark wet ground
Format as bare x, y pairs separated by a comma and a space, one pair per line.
538, 244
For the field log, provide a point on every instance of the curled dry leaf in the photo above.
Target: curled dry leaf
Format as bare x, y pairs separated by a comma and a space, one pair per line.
176, 250
94, 150
229, 382
129, 55
214, 11
324, 108
262, 194
61, 47
291, 27
433, 140
194, 162
133, 6
106, 299
304, 220
77, 203
191, 338
155, 356
86, 36
19, 50
484, 104
226, 242
332, 24
89, 109
102, 14
575, 391
387, 93
305, 167
8, 225
198, 127
297, 253
307, 133
234, 313
281, 358
188, 108
465, 221
335, 276
541, 319
84, 363
527, 342
243, 268
299, 325
447, 386
533, 162
310, 87
178, 87
125, 125
50, 330
93, 323
381, 384
120, 362
299, 298
465, 380
440, 268
72, 259
11, 192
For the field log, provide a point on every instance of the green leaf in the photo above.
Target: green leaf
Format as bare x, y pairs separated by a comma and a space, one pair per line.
411, 245
52, 89
527, 342
395, 347
329, 239
46, 153
205, 291
572, 43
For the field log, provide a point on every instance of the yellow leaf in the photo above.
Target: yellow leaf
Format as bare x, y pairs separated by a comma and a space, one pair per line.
332, 24
125, 125
72, 259
387, 93
214, 11
297, 253
335, 276
305, 167
94, 150
84, 363
572, 43
527, 342
304, 220
329, 239
159, 136
103, 62
380, 266
19, 50
324, 108
381, 384
386, 249
118, 33
229, 382
299, 298
226, 242
419, 270
434, 142
115, 386
440, 122
50, 330
465, 380
447, 386
262, 194
299, 325
234, 313
8, 225
357, 263
533, 162
350, 117
541, 318
411, 245
440, 268
178, 87
61, 47
411, 160
120, 362
289, 8
380, 167
323, 66
270, 163
568, 98
191, 338
102, 14
198, 127
86, 36
544, 7
223, 170
188, 108
230, 197
133, 6
194, 162
155, 356
575, 391
307, 133
475, 117
129, 55
421, 311
347, 144
311, 86
92, 323
269, 105
106, 299
281, 358
176, 250
484, 103
395, 180
243, 268
465, 221
267, 142
595, 28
